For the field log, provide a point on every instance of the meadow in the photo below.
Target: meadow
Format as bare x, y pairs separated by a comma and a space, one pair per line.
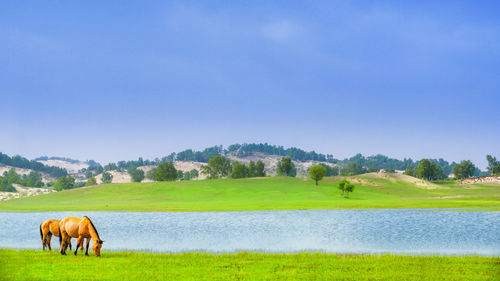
37, 265
269, 193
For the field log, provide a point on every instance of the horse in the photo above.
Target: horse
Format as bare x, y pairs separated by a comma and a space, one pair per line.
79, 228
47, 229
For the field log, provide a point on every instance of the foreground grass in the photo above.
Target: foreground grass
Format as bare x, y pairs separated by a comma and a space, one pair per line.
272, 193
38, 265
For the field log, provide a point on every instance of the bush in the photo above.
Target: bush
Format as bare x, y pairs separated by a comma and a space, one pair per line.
286, 167
91, 181
107, 177
166, 172
137, 175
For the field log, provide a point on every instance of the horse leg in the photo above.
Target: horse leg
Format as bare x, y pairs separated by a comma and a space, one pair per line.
87, 247
63, 241
78, 242
69, 243
44, 238
48, 238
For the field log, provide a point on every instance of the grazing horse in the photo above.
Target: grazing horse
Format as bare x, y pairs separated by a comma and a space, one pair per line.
47, 229
80, 229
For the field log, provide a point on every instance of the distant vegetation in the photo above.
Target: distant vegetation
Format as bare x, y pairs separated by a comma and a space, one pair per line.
240, 170
107, 177
264, 148
137, 175
356, 165
493, 165
166, 172
286, 167
464, 170
217, 167
33, 179
21, 162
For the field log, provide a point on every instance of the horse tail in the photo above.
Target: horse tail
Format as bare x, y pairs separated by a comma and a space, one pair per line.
41, 233
60, 235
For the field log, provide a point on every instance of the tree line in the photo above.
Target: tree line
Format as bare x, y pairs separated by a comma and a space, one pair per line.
21, 162
33, 179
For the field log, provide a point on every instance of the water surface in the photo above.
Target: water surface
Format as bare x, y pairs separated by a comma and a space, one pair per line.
407, 231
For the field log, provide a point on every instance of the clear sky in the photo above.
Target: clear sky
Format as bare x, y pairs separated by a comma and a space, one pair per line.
115, 80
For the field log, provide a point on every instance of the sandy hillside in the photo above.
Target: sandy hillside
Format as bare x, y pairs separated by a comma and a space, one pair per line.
24, 192
118, 177
402, 178
21, 171
483, 180
72, 168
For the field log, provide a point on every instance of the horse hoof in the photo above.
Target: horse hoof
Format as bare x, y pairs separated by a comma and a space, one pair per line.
87, 254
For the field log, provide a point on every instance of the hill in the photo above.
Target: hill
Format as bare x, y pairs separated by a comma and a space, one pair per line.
270, 193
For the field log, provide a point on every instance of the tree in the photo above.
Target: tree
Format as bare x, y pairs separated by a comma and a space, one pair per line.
88, 174
341, 185
260, 169
317, 172
151, 174
64, 182
239, 170
12, 176
180, 175
166, 172
91, 181
137, 175
330, 171
464, 170
5, 186
106, 177
217, 167
493, 165
193, 173
410, 171
349, 187
286, 167
252, 169
353, 169
429, 170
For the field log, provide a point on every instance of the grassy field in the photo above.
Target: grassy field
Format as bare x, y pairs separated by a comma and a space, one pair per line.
271, 193
38, 265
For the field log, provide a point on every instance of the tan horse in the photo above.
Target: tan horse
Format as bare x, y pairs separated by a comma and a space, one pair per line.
47, 229
80, 229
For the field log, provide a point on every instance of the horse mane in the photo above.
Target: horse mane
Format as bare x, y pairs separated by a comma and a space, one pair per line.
91, 223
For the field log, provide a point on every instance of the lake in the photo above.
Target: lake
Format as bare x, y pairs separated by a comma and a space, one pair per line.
402, 231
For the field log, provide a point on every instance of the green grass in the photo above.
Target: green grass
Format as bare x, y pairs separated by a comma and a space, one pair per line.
38, 265
272, 193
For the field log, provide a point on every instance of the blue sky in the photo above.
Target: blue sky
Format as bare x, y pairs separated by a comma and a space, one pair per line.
115, 80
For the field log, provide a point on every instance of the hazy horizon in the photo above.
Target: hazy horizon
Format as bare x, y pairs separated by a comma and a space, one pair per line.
114, 81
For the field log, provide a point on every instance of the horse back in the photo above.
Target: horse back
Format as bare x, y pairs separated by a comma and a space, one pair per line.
71, 226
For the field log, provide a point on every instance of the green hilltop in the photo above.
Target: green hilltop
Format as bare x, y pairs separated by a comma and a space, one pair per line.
372, 190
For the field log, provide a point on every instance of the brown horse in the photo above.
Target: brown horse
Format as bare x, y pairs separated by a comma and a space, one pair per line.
80, 229
47, 229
